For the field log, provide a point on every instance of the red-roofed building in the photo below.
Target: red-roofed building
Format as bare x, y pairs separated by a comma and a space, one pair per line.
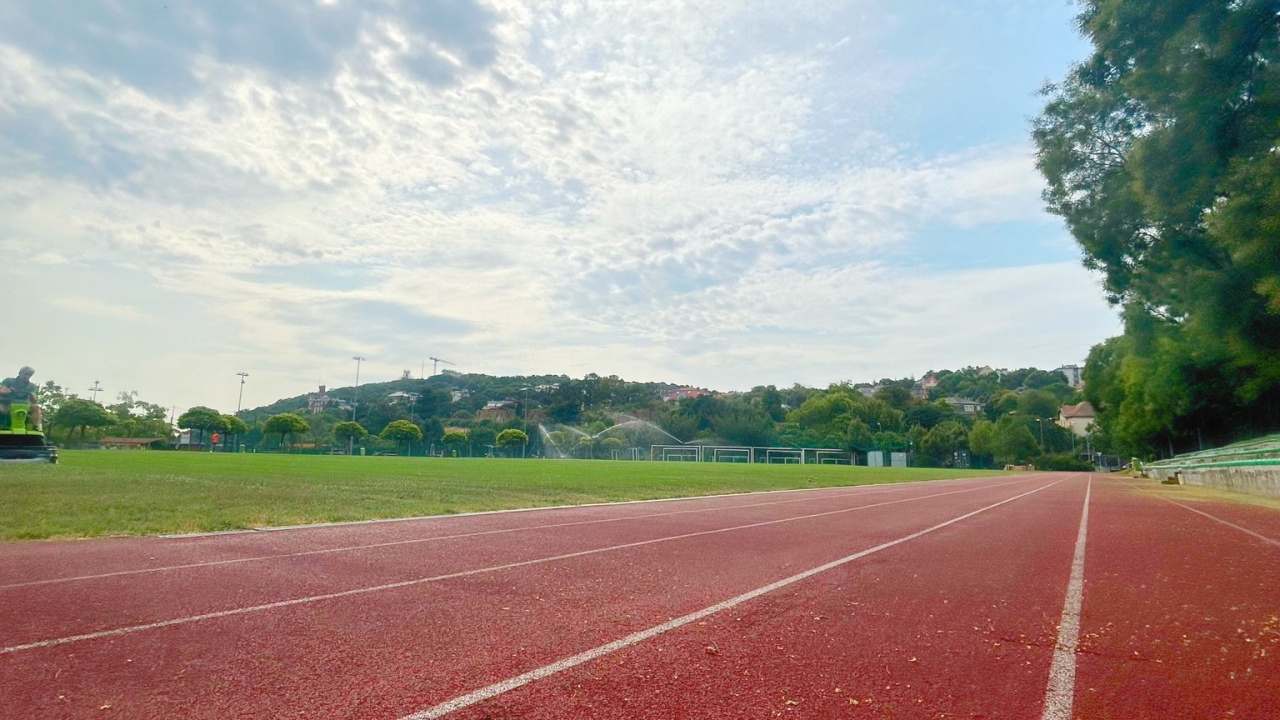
1077, 418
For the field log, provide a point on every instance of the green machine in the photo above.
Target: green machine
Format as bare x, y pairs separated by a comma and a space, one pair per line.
20, 440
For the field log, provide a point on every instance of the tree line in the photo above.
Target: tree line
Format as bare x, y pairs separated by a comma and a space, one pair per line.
1161, 152
442, 415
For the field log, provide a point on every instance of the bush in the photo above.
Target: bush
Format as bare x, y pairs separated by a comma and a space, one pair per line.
1063, 461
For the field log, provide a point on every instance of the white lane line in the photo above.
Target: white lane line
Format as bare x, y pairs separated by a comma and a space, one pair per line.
498, 688
870, 490
1060, 694
436, 578
1215, 518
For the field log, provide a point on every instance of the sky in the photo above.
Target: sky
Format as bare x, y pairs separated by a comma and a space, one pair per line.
721, 193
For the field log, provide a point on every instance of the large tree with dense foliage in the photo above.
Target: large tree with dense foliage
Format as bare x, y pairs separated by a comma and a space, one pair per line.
79, 413
285, 424
1160, 152
402, 433
203, 419
347, 432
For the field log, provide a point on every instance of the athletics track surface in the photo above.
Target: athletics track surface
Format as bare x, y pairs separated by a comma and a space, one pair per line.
1037, 596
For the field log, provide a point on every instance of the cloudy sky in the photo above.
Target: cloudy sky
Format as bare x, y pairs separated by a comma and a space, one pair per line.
724, 193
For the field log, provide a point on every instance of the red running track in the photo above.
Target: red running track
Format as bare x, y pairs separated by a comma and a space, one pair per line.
943, 599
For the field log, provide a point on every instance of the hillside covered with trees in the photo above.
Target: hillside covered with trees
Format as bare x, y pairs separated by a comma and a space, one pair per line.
1009, 418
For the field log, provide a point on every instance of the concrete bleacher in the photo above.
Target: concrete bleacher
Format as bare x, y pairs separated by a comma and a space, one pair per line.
1252, 466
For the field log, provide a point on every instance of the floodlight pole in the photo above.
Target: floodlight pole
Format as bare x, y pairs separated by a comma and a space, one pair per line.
97, 388
356, 401
240, 399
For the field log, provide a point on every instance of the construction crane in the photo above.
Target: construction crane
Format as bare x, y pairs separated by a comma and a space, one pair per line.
435, 363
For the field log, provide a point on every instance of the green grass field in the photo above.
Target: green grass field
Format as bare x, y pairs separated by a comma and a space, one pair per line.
96, 493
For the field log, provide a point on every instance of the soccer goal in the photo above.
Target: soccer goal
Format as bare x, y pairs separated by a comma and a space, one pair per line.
676, 453
784, 455
731, 454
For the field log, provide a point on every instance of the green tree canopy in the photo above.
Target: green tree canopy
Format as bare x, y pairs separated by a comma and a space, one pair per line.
401, 432
80, 413
1159, 153
938, 446
349, 430
512, 436
284, 424
454, 439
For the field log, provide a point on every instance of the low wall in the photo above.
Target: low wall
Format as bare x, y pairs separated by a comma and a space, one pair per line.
1252, 479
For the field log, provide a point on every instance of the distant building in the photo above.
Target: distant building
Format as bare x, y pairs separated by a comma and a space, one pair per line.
456, 395
499, 411
1075, 377
451, 373
683, 393
867, 390
403, 397
964, 406
318, 401
1076, 418
921, 389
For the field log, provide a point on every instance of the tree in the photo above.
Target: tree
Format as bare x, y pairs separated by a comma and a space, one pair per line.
1012, 442
52, 396
235, 428
285, 424
202, 419
78, 413
982, 439
744, 425
1038, 404
939, 445
1159, 153
348, 431
401, 431
454, 440
511, 437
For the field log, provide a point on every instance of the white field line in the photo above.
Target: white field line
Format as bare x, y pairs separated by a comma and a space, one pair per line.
448, 576
1060, 694
872, 489
498, 688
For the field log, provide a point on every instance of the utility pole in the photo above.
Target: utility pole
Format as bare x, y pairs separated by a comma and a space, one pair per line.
356, 401
97, 388
242, 375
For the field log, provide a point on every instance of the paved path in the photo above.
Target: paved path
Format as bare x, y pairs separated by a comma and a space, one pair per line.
1038, 596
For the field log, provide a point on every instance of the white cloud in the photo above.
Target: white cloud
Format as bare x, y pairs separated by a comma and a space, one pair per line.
560, 187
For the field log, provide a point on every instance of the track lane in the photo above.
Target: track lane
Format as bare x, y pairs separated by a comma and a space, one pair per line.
388, 649
35, 613
1181, 613
953, 624
45, 562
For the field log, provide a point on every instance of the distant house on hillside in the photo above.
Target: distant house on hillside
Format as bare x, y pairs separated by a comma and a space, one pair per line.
318, 401
683, 393
402, 397
1076, 418
499, 411
964, 406
867, 390
921, 389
